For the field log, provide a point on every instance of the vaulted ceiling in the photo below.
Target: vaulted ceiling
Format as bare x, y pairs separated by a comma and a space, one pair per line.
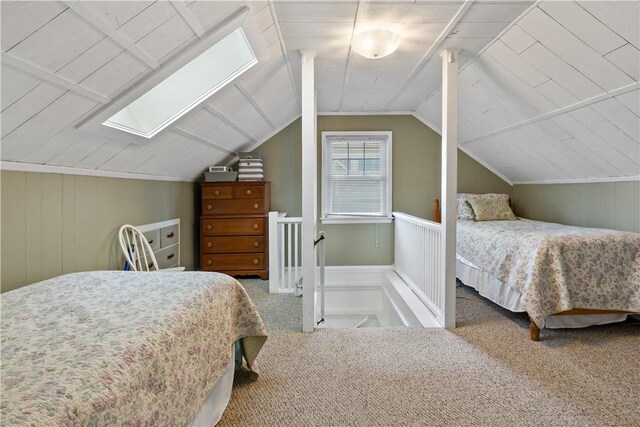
548, 90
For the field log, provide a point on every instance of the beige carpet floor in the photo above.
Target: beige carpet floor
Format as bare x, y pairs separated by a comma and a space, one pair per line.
485, 373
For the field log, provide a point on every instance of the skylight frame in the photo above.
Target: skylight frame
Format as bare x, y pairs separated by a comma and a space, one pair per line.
181, 112
241, 18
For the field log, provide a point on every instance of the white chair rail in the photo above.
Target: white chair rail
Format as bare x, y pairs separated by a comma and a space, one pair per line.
417, 258
285, 246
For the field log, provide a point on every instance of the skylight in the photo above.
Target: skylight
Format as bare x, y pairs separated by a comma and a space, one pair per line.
186, 88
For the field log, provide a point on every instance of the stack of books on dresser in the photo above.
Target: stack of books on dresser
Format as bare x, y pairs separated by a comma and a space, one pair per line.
250, 167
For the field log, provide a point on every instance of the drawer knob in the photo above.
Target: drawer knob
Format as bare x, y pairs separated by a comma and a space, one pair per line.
209, 244
216, 193
170, 256
209, 207
209, 227
170, 235
209, 262
255, 226
256, 206
255, 261
256, 244
248, 192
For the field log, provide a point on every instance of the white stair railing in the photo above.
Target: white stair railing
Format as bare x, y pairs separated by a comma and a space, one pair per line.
319, 243
285, 261
417, 259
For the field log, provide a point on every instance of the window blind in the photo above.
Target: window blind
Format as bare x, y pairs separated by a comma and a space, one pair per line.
356, 176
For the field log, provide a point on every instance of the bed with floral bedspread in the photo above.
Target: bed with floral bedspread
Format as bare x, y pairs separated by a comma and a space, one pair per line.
557, 267
120, 348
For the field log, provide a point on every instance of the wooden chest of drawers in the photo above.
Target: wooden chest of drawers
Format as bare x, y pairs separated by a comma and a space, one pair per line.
233, 228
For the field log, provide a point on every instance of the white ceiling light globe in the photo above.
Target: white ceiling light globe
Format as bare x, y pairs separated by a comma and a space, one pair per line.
374, 44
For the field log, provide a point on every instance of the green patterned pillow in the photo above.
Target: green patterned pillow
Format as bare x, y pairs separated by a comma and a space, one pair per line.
491, 207
465, 211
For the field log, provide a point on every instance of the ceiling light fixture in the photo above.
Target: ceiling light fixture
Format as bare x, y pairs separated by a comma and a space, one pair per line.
375, 44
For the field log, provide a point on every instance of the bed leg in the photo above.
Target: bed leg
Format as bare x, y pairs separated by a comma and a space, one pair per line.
535, 331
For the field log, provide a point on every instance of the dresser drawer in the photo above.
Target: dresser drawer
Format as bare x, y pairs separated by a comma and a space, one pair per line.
222, 262
248, 191
233, 206
168, 236
233, 244
167, 257
233, 226
217, 192
153, 237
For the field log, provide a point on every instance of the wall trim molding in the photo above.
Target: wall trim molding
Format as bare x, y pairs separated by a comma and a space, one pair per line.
634, 178
64, 170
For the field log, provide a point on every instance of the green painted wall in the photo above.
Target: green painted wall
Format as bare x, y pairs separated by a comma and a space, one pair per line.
53, 224
416, 181
613, 205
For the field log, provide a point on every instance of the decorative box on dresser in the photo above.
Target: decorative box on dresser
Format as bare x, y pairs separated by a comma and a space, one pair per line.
233, 228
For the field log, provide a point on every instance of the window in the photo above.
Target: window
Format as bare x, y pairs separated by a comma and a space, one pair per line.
356, 177
186, 88
190, 77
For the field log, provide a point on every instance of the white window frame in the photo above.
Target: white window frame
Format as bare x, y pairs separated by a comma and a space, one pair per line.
329, 218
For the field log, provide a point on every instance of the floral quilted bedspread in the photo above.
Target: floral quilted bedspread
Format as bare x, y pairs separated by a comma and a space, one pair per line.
120, 348
557, 267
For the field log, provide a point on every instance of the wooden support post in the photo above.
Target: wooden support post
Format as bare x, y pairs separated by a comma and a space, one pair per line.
309, 191
535, 331
449, 183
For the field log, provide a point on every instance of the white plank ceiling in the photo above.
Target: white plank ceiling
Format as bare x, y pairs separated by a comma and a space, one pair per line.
556, 96
548, 90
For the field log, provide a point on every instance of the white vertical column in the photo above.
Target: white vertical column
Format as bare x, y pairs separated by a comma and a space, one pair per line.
309, 189
274, 254
449, 183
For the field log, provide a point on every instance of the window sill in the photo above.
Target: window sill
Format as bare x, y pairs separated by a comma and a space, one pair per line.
356, 220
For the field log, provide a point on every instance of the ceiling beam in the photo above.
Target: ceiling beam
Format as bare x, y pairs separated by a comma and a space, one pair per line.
483, 50
559, 111
465, 150
197, 138
80, 9
53, 78
432, 51
347, 68
226, 120
255, 105
283, 48
188, 17
632, 178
